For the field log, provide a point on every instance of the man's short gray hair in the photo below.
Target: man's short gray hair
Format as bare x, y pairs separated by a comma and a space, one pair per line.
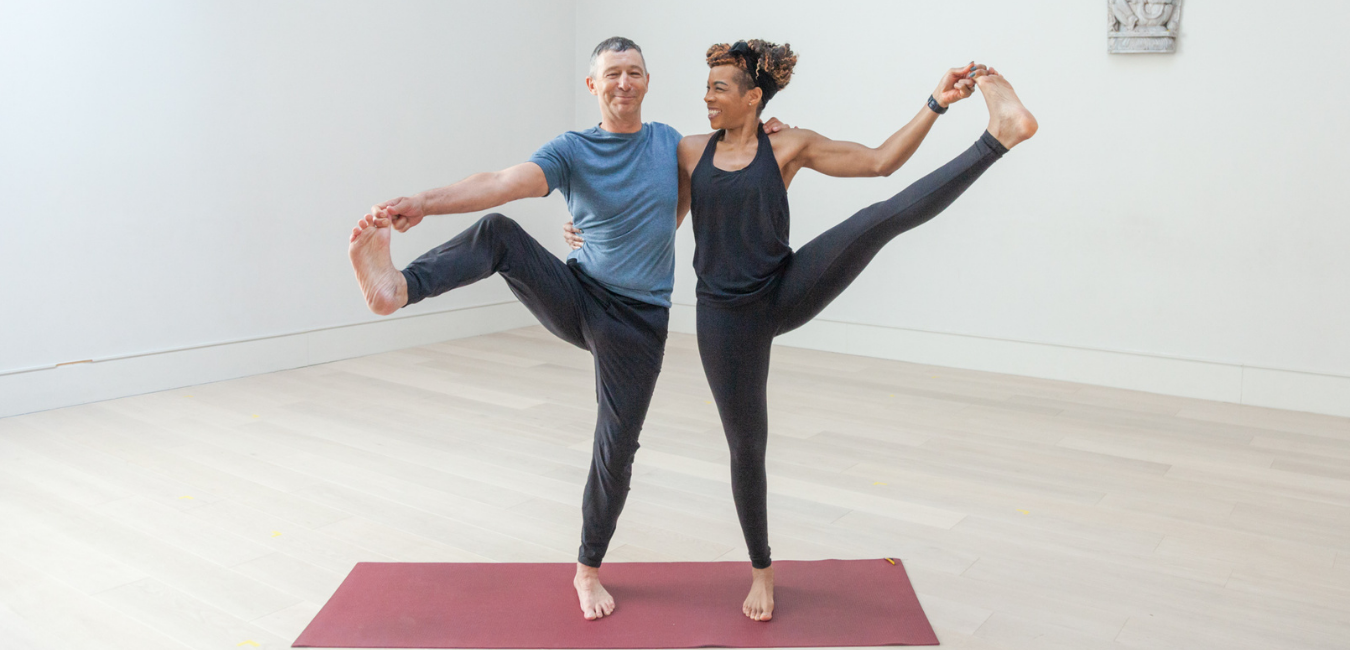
615, 44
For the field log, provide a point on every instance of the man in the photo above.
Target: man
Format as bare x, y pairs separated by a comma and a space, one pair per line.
612, 297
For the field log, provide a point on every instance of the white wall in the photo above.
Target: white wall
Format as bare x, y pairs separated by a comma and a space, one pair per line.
185, 174
1176, 226
178, 180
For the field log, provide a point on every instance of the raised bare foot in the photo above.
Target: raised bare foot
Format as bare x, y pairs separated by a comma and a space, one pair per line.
383, 285
595, 601
759, 604
1009, 121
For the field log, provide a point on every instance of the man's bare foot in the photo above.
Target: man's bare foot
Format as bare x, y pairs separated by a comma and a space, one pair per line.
1009, 121
383, 285
759, 604
595, 601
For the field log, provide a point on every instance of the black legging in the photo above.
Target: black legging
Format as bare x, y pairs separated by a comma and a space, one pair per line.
626, 337
734, 342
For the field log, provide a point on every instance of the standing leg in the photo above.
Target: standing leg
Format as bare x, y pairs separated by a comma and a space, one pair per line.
628, 357
628, 342
734, 345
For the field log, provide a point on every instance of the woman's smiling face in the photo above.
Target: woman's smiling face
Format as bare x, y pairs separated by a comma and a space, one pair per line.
727, 97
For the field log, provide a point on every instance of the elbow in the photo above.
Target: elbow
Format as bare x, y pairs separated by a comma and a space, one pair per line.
885, 166
888, 167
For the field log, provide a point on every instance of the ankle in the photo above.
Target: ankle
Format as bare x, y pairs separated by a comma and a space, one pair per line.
586, 573
400, 289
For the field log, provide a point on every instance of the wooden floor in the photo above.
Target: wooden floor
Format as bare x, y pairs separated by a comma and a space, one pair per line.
1030, 513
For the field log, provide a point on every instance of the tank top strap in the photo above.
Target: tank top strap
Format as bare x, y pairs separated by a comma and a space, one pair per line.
711, 149
764, 153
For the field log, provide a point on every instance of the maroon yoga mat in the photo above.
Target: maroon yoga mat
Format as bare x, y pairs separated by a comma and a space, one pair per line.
659, 605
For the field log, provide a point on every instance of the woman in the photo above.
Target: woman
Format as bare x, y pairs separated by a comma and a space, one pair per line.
751, 285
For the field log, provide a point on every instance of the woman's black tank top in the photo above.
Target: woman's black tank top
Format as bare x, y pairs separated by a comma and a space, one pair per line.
740, 226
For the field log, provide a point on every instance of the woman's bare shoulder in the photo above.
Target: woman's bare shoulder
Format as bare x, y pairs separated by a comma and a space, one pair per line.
788, 143
691, 146
793, 135
696, 141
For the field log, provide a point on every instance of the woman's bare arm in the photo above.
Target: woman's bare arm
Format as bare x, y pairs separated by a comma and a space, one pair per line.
850, 159
690, 150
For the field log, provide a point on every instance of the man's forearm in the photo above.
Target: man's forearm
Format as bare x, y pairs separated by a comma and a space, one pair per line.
476, 193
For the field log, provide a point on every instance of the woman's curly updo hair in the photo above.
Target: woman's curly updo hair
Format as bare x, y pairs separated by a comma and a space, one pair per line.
764, 65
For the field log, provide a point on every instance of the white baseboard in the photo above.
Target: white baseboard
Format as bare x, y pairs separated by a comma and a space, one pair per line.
1224, 382
48, 388
55, 387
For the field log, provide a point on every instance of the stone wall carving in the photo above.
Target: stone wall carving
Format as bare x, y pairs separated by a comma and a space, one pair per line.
1134, 26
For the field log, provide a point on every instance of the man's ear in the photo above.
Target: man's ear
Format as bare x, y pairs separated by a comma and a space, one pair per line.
590, 85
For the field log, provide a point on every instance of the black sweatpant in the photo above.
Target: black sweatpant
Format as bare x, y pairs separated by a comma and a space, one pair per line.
734, 341
627, 337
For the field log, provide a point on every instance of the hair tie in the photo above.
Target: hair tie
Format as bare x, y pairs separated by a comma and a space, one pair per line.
764, 82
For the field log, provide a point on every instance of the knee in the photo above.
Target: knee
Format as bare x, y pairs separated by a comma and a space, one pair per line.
497, 225
747, 453
617, 458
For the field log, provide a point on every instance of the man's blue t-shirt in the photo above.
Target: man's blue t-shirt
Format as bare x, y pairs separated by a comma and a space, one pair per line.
622, 190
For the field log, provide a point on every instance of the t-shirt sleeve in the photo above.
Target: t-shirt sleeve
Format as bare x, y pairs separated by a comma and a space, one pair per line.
555, 159
667, 134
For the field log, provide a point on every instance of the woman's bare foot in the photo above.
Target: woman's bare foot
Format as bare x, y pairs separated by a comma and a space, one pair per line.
1009, 121
595, 601
759, 604
383, 285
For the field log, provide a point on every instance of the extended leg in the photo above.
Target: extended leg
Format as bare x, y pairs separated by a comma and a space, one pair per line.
497, 244
820, 270
825, 266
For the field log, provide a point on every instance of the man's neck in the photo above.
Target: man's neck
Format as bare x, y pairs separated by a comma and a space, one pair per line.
614, 124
